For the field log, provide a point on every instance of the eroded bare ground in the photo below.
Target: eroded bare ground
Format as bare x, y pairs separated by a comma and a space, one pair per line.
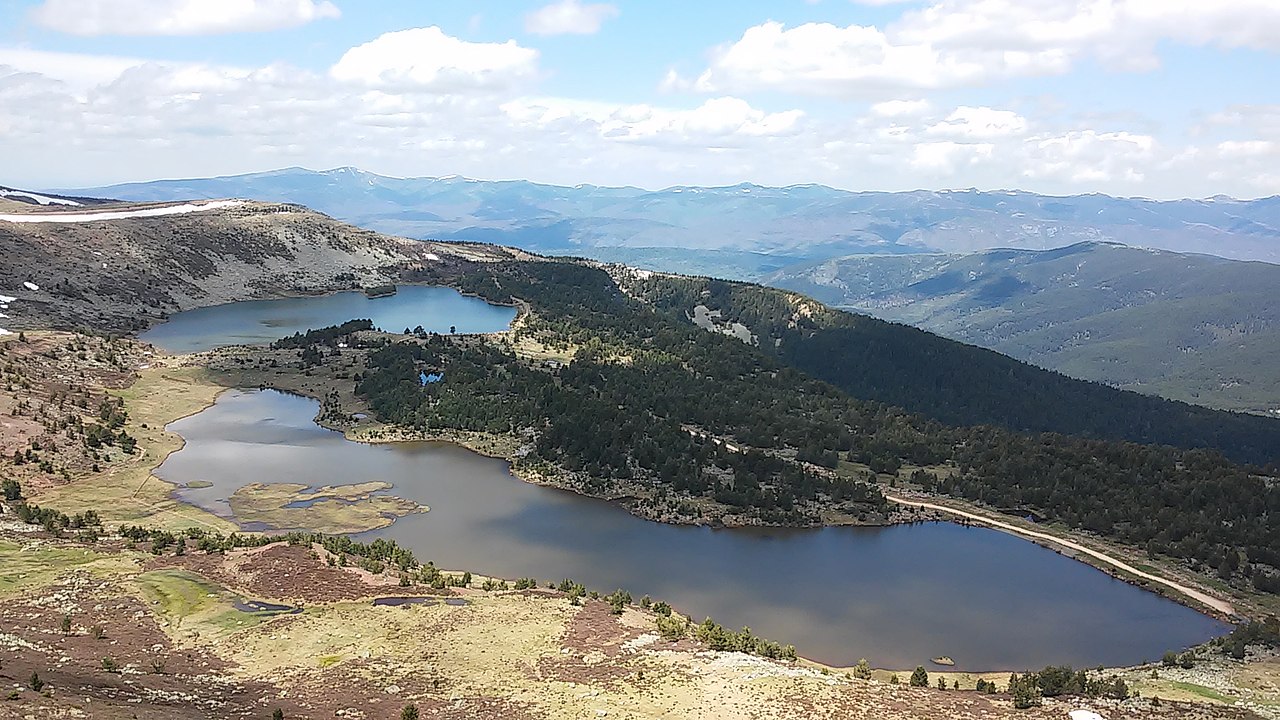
55, 410
120, 633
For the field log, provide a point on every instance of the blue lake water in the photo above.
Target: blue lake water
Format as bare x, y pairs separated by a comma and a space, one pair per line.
897, 596
436, 309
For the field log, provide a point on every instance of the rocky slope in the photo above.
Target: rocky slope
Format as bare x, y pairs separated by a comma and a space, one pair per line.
124, 274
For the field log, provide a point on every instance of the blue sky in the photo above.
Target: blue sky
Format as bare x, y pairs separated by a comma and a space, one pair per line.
1167, 98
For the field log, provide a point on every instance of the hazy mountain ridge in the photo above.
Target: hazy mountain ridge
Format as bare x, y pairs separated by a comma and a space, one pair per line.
1189, 327
1207, 340
810, 220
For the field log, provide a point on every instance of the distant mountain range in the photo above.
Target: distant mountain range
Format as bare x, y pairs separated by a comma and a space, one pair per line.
1188, 327
806, 221
1061, 292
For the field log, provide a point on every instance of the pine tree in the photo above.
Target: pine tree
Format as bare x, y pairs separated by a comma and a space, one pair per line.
1026, 693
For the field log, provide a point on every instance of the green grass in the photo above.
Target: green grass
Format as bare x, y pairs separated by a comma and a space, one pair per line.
191, 601
1204, 692
42, 564
233, 620
178, 593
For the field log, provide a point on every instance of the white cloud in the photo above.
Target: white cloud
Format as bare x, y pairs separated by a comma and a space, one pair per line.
819, 58
1258, 119
901, 108
177, 17
1247, 148
958, 43
569, 17
721, 118
979, 123
78, 71
718, 122
427, 58
130, 119
1090, 157
946, 157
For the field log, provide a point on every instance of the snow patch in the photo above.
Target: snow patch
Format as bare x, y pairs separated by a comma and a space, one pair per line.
120, 214
31, 286
4, 332
432, 256
7, 299
41, 199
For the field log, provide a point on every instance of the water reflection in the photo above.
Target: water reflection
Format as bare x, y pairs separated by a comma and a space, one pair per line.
897, 596
261, 321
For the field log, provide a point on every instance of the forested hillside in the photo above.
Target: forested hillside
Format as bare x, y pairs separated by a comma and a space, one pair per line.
1186, 327
647, 384
656, 403
952, 382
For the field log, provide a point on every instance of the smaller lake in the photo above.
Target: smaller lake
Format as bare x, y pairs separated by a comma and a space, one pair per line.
254, 322
897, 595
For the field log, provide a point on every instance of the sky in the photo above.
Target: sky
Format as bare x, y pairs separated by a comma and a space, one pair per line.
1154, 98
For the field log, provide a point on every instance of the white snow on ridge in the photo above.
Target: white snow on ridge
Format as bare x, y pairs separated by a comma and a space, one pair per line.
432, 256
31, 286
41, 199
4, 332
83, 217
7, 299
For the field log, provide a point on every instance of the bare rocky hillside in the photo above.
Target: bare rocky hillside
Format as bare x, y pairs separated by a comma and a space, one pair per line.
125, 274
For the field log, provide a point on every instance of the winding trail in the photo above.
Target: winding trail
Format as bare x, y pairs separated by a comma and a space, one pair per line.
1204, 598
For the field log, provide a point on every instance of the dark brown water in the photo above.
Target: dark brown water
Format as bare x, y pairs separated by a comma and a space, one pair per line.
436, 309
897, 596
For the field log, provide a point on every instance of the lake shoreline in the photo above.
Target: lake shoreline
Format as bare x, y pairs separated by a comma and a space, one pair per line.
634, 499
476, 444
496, 447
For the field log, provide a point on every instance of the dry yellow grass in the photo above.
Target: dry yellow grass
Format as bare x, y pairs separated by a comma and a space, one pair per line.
340, 510
128, 492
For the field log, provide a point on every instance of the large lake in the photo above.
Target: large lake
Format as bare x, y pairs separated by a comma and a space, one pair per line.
897, 596
436, 309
